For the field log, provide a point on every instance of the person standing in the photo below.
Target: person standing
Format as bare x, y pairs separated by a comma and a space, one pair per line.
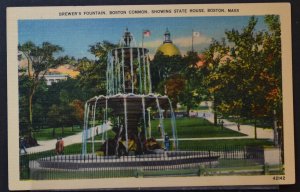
167, 142
59, 146
62, 146
222, 124
22, 145
159, 128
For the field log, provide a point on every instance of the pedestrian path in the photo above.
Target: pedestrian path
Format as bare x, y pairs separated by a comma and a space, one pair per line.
245, 129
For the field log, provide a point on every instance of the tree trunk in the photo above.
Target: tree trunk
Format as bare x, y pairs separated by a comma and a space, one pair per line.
30, 113
165, 113
215, 113
62, 130
275, 133
31, 93
188, 108
238, 123
255, 129
53, 132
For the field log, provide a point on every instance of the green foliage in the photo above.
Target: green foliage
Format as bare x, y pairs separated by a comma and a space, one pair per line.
58, 105
47, 133
163, 67
194, 91
39, 60
242, 79
193, 128
92, 76
179, 78
65, 104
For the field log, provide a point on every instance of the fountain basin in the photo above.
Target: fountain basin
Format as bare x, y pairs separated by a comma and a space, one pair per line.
166, 160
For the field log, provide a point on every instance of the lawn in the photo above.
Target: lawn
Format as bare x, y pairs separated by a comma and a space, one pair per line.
186, 128
224, 143
194, 128
110, 134
70, 149
47, 133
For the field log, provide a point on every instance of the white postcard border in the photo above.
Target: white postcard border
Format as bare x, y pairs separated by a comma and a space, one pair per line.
18, 13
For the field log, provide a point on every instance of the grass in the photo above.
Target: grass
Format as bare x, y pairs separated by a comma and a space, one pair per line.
230, 163
194, 128
199, 107
110, 134
229, 143
70, 149
186, 128
46, 133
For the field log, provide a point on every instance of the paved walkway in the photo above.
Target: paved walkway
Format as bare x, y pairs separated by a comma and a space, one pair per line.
245, 129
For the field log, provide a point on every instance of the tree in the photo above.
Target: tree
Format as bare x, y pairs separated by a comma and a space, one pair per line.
213, 59
245, 79
272, 51
250, 57
163, 67
179, 78
93, 73
24, 85
39, 60
54, 117
62, 94
77, 114
193, 92
174, 86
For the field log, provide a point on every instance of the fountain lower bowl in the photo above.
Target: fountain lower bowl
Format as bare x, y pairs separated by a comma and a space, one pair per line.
169, 160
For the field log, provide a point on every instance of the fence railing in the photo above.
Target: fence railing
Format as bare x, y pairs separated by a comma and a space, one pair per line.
198, 161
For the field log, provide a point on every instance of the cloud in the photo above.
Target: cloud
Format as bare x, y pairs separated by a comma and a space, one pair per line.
152, 44
185, 42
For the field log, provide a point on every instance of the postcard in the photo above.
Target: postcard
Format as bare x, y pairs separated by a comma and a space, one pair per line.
150, 96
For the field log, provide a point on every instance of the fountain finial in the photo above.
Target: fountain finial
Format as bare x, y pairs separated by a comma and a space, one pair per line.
127, 37
167, 36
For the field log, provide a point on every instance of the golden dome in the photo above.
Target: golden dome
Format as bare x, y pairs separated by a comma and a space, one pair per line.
168, 49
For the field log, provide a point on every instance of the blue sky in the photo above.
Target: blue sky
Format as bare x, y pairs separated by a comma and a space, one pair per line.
75, 35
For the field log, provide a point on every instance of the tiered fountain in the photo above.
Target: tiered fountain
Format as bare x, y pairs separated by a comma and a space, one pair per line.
126, 110
128, 102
